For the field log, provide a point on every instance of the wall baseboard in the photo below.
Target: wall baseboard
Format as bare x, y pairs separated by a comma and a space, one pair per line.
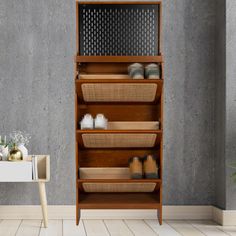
224, 217
68, 212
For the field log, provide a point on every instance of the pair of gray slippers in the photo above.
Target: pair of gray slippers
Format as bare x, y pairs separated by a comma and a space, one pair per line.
137, 71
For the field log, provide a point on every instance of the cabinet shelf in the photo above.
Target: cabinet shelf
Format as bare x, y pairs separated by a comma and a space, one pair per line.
118, 138
118, 90
119, 201
118, 59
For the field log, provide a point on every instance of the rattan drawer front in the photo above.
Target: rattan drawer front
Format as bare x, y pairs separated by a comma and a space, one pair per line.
118, 140
118, 92
119, 187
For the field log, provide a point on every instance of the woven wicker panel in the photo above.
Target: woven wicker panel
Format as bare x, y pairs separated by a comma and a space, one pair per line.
118, 30
119, 92
118, 140
119, 187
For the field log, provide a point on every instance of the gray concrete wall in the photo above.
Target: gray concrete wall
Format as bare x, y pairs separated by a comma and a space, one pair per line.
220, 187
189, 42
37, 44
230, 137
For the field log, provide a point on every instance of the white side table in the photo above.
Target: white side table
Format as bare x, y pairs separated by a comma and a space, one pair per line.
16, 172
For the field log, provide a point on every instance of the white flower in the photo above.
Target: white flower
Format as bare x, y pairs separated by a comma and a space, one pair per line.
18, 137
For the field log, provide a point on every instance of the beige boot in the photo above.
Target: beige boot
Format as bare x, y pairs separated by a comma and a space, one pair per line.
135, 168
150, 167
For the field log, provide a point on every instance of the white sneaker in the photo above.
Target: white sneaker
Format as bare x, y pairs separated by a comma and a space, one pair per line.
100, 122
87, 122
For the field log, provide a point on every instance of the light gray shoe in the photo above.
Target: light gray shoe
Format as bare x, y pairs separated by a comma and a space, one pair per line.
152, 71
136, 71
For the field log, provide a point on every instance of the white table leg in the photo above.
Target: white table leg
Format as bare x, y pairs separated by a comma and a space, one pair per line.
43, 199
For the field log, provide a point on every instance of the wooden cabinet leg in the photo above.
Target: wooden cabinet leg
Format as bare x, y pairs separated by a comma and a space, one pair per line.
43, 200
160, 215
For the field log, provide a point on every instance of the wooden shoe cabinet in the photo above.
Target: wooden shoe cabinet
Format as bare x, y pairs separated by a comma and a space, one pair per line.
111, 36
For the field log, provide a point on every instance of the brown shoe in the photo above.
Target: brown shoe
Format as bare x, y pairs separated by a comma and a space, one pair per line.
136, 168
150, 167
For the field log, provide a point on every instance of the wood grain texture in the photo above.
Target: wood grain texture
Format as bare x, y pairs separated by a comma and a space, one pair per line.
119, 201
208, 228
162, 230
29, 228
117, 228
120, 2
111, 158
54, 228
71, 229
95, 228
140, 228
9, 227
122, 112
118, 59
185, 228
229, 230
114, 228
108, 68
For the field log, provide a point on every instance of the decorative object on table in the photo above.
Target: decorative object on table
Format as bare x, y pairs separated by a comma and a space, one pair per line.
100, 122
23, 149
15, 154
136, 168
87, 122
4, 148
150, 167
21, 140
136, 71
152, 71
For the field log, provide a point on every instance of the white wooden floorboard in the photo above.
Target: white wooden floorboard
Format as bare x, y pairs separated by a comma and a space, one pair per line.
185, 228
208, 228
29, 228
54, 228
9, 227
230, 230
117, 228
162, 230
139, 228
95, 228
71, 229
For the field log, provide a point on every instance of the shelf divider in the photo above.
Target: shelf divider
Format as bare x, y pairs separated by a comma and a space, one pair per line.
118, 59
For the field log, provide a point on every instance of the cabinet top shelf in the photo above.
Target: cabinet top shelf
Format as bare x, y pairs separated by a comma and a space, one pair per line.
120, 2
118, 59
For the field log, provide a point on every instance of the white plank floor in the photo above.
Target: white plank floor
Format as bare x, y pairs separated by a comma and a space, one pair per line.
114, 228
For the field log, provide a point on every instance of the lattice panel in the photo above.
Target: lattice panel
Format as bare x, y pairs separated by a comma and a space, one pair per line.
118, 30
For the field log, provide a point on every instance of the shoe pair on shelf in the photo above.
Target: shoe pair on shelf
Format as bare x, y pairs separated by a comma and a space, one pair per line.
145, 167
100, 122
136, 71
